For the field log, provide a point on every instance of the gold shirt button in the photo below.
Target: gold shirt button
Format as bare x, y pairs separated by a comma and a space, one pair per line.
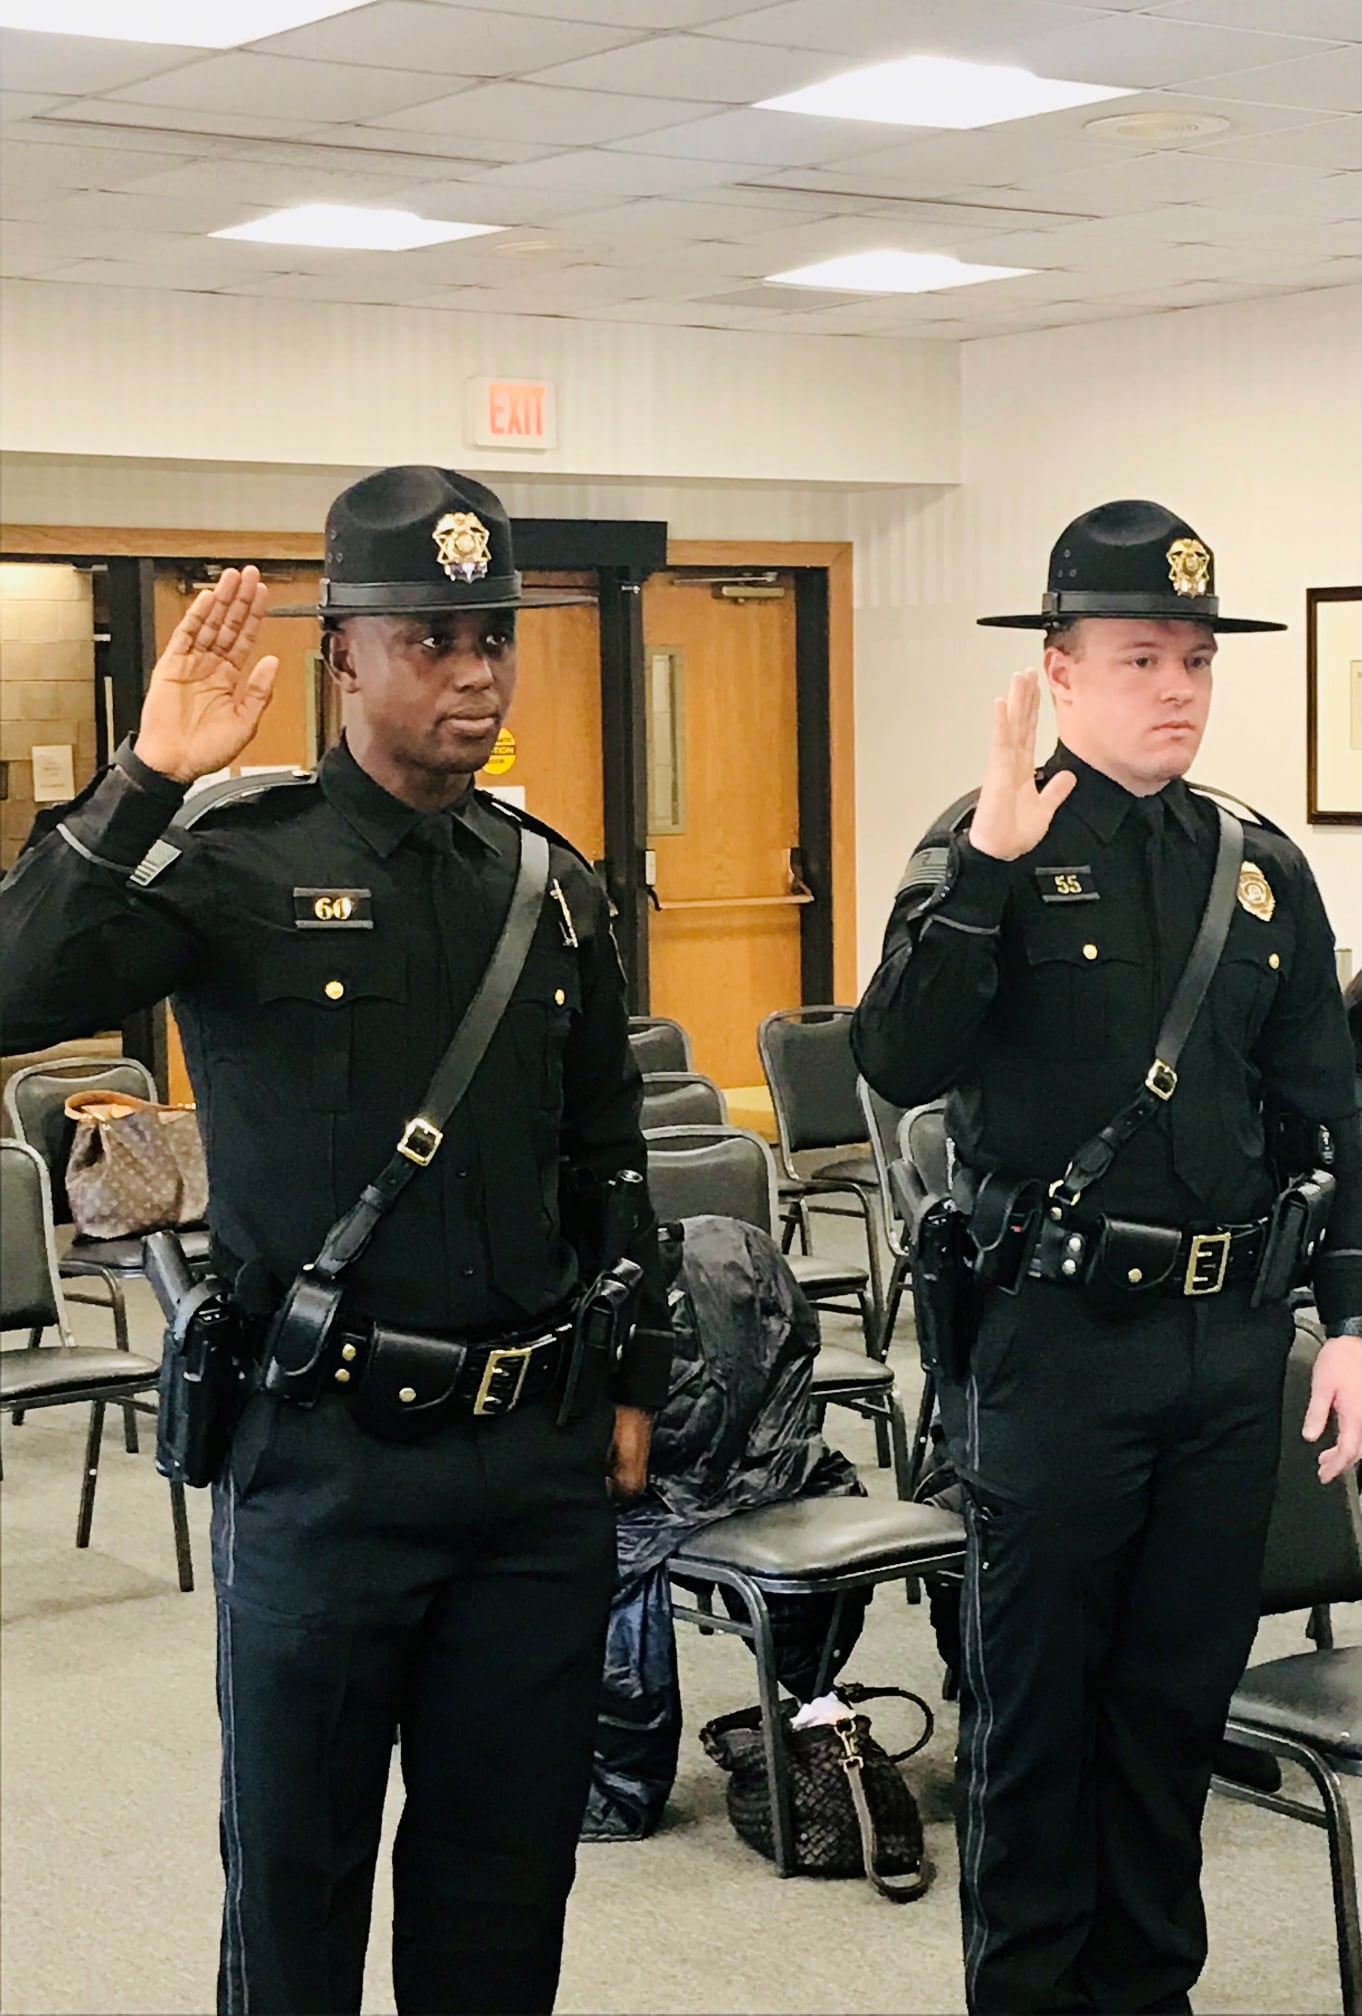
1090, 951
1274, 960
334, 989
348, 1352
559, 997
407, 1393
342, 1376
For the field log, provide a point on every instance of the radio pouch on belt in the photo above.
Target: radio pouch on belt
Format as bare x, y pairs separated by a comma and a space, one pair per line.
298, 1336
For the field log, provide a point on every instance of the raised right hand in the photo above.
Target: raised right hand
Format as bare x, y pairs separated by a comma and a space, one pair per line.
202, 706
1012, 816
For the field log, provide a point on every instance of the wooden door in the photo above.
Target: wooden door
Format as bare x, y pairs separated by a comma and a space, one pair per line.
725, 944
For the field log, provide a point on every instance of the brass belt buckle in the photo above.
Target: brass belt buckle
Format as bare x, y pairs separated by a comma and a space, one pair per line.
1207, 1263
1162, 1080
420, 1142
511, 1361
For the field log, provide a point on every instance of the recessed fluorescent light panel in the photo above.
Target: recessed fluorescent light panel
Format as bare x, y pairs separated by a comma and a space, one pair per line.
892, 273
351, 228
939, 91
192, 24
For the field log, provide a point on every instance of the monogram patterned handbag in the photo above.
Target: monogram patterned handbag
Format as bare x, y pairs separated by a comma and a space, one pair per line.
134, 1166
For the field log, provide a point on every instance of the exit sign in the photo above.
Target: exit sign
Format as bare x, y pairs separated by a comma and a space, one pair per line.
512, 413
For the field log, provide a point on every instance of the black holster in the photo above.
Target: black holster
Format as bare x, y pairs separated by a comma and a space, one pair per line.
604, 1324
297, 1339
946, 1295
203, 1366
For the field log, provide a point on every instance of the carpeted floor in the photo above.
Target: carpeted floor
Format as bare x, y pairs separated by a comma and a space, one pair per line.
109, 1878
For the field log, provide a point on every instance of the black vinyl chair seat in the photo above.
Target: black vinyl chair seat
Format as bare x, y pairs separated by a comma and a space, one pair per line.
50, 1369
1315, 1697
124, 1256
856, 1169
787, 1547
818, 1277
834, 1367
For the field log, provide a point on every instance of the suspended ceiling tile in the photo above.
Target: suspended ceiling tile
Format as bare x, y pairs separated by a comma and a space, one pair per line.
655, 14
1156, 179
1333, 142
773, 139
1138, 49
424, 148
606, 172
1330, 20
1328, 81
469, 202
119, 210
49, 167
279, 86
535, 112
71, 65
692, 66
157, 127
18, 106
994, 31
455, 41
271, 186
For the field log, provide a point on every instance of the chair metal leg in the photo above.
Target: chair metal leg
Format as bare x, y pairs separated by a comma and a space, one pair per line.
827, 1657
893, 1299
91, 1478
898, 1440
768, 1694
922, 1432
118, 1309
179, 1519
1319, 1628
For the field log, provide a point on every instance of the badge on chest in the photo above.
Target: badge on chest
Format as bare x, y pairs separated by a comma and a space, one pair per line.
1066, 885
333, 909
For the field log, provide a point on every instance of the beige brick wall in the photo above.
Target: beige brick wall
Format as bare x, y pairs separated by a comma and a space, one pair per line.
47, 682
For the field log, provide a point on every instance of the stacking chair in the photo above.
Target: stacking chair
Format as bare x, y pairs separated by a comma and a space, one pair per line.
731, 1172
807, 1547
659, 1044
681, 1099
1304, 1708
806, 1056
35, 1102
64, 1373
882, 1123
917, 1176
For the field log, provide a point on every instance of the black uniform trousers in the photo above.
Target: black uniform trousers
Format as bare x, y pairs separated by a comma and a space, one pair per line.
454, 1590
1119, 1480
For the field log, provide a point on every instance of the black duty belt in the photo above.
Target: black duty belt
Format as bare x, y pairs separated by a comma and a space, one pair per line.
424, 1378
1168, 1260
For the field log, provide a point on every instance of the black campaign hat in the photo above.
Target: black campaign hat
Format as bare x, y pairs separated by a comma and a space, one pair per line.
421, 541
1131, 558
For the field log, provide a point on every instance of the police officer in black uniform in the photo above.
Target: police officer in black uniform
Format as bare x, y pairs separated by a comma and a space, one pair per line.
1114, 1405
321, 941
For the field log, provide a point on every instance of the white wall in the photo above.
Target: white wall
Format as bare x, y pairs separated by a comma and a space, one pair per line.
114, 371
1245, 420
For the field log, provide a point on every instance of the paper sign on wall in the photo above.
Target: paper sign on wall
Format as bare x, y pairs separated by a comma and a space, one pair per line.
512, 413
54, 773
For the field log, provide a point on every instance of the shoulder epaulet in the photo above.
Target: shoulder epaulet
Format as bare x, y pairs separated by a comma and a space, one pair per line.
520, 817
210, 798
1237, 806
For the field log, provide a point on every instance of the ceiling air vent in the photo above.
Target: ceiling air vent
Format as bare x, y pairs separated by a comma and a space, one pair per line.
1157, 129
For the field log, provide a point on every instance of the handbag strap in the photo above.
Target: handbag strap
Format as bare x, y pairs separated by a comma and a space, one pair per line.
1095, 1157
853, 1693
79, 1103
421, 1137
898, 1889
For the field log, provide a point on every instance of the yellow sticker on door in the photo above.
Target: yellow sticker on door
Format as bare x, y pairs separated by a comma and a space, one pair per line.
503, 755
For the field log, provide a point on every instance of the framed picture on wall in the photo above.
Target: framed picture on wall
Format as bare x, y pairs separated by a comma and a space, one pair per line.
1333, 670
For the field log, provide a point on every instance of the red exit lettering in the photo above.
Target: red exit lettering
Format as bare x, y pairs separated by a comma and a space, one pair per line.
515, 408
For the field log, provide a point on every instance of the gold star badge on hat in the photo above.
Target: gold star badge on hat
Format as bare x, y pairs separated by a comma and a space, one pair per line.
1189, 567
463, 545
1254, 892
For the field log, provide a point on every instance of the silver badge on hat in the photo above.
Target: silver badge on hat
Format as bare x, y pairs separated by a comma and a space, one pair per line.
463, 545
1189, 567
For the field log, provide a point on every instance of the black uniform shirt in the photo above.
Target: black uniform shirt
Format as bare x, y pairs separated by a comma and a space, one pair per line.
1033, 991
312, 1026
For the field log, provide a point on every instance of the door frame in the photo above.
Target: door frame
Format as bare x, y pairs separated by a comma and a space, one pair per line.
826, 703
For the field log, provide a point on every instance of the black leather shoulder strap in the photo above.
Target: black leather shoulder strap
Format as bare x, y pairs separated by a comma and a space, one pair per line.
422, 1136
1095, 1157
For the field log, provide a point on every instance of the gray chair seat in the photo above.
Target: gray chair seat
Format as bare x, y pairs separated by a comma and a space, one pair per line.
124, 1256
825, 1277
837, 1369
811, 1539
1311, 1696
59, 1368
